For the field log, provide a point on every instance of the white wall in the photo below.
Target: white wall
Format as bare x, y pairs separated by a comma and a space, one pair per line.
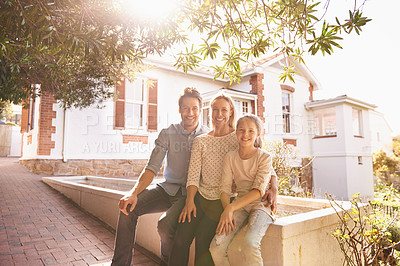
244, 84
329, 176
90, 133
335, 168
360, 177
381, 137
273, 110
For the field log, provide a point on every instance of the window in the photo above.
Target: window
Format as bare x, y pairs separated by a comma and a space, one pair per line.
242, 107
357, 122
32, 106
244, 103
206, 114
136, 105
286, 111
31, 114
325, 122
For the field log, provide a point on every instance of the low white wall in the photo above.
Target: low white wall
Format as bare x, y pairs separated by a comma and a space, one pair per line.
302, 239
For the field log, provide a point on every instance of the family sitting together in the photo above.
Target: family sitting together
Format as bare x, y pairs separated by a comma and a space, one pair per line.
215, 184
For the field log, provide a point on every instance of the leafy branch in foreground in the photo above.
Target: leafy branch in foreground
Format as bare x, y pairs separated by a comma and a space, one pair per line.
246, 30
77, 49
363, 233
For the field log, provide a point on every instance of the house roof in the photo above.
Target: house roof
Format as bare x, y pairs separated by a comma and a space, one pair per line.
338, 100
168, 62
382, 116
258, 65
232, 93
250, 68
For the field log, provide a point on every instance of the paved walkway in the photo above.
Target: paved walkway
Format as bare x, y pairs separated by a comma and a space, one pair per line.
39, 226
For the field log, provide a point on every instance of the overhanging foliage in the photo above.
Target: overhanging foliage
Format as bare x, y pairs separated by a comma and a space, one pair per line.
76, 49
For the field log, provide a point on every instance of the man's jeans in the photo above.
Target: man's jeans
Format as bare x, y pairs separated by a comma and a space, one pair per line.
151, 200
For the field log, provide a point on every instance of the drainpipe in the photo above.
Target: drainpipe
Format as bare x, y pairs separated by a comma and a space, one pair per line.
63, 137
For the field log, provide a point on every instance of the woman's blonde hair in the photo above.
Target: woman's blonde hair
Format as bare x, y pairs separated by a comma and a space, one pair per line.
232, 118
259, 125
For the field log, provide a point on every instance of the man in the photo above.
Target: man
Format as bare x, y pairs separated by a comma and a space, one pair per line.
174, 143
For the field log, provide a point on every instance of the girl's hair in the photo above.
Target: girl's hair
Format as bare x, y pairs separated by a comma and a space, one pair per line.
232, 118
259, 125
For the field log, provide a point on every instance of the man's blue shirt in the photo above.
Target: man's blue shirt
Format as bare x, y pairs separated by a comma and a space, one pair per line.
173, 144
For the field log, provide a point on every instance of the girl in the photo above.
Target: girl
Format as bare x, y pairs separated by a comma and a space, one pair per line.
250, 168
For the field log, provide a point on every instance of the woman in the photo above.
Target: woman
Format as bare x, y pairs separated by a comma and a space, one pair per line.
200, 216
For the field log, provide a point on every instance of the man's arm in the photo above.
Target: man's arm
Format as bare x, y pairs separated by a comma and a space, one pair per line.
272, 195
147, 175
145, 179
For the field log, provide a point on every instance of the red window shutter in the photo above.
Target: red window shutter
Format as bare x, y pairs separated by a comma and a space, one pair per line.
119, 112
152, 105
253, 107
25, 116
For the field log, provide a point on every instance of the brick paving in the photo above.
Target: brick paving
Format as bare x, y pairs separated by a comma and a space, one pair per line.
39, 226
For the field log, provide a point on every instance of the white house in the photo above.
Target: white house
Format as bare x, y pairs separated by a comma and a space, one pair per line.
381, 133
117, 140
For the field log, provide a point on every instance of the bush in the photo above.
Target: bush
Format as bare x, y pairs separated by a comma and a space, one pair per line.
386, 168
396, 146
365, 234
383, 163
288, 169
394, 231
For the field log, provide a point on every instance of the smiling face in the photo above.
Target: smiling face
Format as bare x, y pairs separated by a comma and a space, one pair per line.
221, 112
190, 112
247, 133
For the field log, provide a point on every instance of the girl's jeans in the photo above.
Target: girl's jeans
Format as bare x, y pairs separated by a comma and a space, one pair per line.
245, 241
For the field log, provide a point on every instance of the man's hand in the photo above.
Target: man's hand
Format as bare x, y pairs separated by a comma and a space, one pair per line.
271, 199
187, 211
125, 201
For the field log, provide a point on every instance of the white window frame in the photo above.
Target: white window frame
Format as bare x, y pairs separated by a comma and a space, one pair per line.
206, 114
357, 125
32, 107
320, 128
287, 114
143, 103
242, 106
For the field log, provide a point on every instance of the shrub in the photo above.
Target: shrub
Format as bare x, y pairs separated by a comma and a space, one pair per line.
288, 168
386, 168
364, 233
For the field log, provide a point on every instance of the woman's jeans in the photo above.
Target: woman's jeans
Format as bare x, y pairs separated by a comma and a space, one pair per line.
151, 200
202, 228
244, 243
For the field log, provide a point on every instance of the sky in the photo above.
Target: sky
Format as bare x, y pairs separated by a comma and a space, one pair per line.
367, 68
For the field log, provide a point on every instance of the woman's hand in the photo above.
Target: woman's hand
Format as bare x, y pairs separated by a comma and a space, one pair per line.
227, 222
187, 211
